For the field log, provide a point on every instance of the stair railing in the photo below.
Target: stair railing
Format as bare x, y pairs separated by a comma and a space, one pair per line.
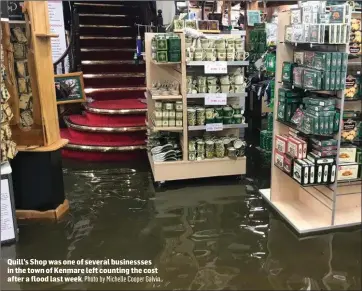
73, 49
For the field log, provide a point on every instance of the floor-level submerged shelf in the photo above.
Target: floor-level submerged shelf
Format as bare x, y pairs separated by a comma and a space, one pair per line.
181, 170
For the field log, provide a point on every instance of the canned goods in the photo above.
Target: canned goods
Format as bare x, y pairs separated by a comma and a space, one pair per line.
219, 149
191, 116
158, 105
200, 116
209, 149
165, 122
158, 114
192, 146
172, 114
178, 106
179, 115
192, 156
171, 122
168, 106
165, 114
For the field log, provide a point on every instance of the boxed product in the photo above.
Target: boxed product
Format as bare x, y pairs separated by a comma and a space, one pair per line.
324, 148
326, 80
293, 132
301, 172
278, 159
322, 61
304, 144
298, 77
311, 171
344, 62
288, 164
324, 142
324, 154
347, 154
350, 130
338, 81
325, 168
332, 82
281, 110
312, 79
337, 117
338, 13
347, 171
298, 58
334, 57
298, 33
352, 90
318, 101
308, 58
281, 142
287, 71
295, 16
288, 33
288, 93
314, 35
295, 148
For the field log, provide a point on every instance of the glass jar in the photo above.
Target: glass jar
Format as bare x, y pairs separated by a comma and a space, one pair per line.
219, 149
192, 146
209, 149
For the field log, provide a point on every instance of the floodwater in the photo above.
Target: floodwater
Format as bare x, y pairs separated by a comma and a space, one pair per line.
208, 234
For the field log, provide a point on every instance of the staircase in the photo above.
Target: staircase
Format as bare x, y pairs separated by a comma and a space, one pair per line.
112, 127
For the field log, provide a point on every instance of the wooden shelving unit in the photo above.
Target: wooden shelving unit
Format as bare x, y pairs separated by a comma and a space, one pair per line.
185, 169
310, 208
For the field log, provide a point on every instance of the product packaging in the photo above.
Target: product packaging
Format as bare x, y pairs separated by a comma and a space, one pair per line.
295, 148
281, 142
288, 164
324, 142
347, 154
311, 171
347, 171
301, 172
279, 159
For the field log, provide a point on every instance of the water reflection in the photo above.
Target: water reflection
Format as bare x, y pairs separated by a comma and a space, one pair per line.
201, 235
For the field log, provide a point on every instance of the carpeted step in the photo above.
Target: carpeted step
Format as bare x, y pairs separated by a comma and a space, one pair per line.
108, 19
107, 30
105, 121
112, 66
124, 104
121, 139
113, 79
107, 54
78, 139
115, 93
107, 8
107, 41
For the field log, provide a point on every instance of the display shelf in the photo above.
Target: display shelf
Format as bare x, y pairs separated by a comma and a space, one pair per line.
225, 126
164, 97
229, 63
164, 63
180, 170
318, 207
185, 169
200, 30
204, 95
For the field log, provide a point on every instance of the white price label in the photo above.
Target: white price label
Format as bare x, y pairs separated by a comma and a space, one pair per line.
216, 99
214, 127
218, 67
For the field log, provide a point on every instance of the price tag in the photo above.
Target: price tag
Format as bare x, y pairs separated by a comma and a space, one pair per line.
214, 127
218, 67
216, 99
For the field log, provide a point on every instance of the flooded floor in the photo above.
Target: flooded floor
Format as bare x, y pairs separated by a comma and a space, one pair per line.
207, 234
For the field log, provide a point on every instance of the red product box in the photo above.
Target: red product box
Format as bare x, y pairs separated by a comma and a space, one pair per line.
281, 142
295, 148
304, 143
279, 159
288, 164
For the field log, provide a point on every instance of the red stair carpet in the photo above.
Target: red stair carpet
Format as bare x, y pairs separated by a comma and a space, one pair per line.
112, 128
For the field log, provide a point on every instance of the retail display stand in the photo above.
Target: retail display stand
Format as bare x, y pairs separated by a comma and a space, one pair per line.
185, 169
37, 168
311, 208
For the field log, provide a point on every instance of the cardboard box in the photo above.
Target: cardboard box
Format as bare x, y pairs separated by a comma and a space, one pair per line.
324, 154
347, 172
295, 148
278, 159
311, 171
347, 154
288, 164
323, 169
304, 144
281, 142
301, 172
332, 82
325, 142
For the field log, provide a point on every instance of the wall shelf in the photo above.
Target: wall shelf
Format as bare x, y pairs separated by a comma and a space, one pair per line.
225, 126
229, 63
204, 95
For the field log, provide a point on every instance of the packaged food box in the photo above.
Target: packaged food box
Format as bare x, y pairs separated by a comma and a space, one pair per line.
324, 154
349, 130
338, 81
298, 58
288, 93
334, 57
301, 172
325, 168
304, 146
298, 77
352, 90
281, 142
314, 33
332, 83
324, 142
326, 80
311, 171
337, 117
342, 81
295, 16
279, 159
298, 34
288, 164
288, 33
295, 148
317, 101
287, 71
322, 61
312, 79
308, 58
347, 154
309, 124
324, 148
344, 62
337, 14
347, 171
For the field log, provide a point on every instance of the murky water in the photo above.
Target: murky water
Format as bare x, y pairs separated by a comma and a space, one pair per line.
201, 235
